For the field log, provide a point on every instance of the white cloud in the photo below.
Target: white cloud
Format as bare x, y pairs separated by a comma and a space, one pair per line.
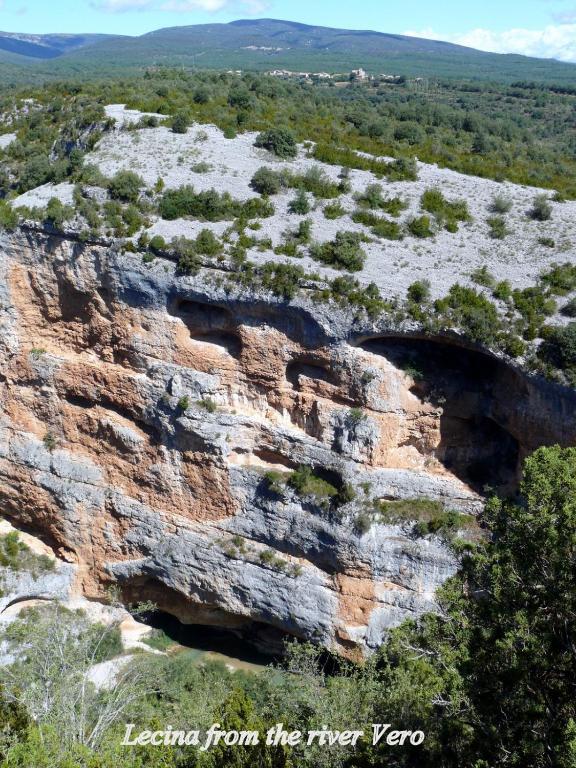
556, 41
178, 6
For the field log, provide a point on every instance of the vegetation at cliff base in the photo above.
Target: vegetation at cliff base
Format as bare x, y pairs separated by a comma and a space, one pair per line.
505, 633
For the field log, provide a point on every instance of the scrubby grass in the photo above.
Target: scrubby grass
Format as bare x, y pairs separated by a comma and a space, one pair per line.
15, 555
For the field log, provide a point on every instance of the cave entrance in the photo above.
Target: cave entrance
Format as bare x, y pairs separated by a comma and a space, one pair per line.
238, 648
474, 442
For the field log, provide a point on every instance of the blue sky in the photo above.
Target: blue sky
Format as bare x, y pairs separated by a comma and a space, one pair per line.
534, 27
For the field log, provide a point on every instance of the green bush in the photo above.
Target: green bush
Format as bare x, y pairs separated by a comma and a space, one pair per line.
559, 347
420, 227
306, 483
210, 205
184, 403
207, 404
36, 171
348, 292
282, 279
419, 291
208, 244
348, 158
317, 183
279, 141
57, 213
180, 122
8, 216
368, 218
560, 279
334, 211
501, 204
344, 252
390, 230
125, 186
266, 182
17, 556
472, 312
498, 228
188, 260
484, 277
503, 291
541, 209
157, 243
446, 213
547, 242
300, 204
373, 199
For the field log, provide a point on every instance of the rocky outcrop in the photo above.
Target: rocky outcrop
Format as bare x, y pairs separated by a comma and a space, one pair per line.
141, 410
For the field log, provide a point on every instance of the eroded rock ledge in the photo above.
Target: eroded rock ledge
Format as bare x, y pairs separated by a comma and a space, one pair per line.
98, 351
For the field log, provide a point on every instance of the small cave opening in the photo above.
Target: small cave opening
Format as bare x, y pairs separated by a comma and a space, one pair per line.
225, 342
269, 456
200, 316
464, 384
75, 305
310, 370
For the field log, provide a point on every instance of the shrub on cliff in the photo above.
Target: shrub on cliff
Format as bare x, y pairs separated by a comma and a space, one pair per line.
446, 213
300, 204
210, 205
306, 483
8, 216
125, 186
559, 348
420, 226
189, 261
266, 182
541, 209
560, 278
57, 213
281, 279
208, 244
498, 228
344, 252
472, 312
419, 291
279, 141
180, 122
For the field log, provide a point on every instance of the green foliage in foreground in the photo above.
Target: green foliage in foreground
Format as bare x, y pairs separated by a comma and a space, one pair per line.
490, 681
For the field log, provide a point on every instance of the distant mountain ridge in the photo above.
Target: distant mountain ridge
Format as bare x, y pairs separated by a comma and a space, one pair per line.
265, 44
46, 46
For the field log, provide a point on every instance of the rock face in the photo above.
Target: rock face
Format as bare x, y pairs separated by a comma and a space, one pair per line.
100, 354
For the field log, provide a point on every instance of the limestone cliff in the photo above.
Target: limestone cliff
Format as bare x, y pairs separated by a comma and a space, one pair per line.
99, 355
